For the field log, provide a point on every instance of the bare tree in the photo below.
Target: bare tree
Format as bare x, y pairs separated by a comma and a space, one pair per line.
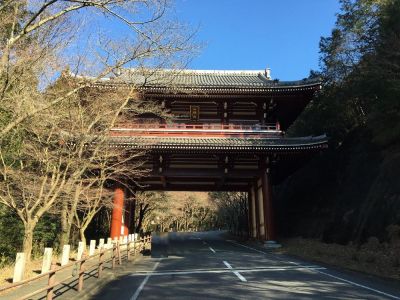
232, 211
193, 211
65, 154
111, 165
86, 122
45, 29
54, 132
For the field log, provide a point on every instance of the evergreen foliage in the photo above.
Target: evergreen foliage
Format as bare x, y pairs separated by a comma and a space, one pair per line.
361, 75
351, 191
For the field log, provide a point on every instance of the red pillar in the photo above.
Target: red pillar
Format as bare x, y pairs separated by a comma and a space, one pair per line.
257, 204
268, 208
253, 212
129, 214
250, 214
116, 218
261, 215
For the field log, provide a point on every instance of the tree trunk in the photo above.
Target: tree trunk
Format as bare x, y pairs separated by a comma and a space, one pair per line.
28, 240
133, 217
82, 235
65, 226
142, 212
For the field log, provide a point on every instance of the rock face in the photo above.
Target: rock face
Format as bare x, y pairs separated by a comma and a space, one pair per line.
346, 194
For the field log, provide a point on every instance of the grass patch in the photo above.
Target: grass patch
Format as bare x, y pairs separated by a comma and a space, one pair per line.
381, 259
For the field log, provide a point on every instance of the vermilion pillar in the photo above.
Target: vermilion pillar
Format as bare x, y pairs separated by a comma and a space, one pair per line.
117, 228
249, 215
252, 214
129, 214
268, 208
257, 208
260, 198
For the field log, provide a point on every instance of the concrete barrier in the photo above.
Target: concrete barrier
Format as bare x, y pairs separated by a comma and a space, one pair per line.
92, 247
19, 269
101, 244
160, 245
47, 257
65, 255
81, 249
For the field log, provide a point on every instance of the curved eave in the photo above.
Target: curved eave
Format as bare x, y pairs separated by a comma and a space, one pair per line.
213, 90
281, 145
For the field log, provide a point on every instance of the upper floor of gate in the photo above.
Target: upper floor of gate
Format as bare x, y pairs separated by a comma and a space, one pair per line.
213, 103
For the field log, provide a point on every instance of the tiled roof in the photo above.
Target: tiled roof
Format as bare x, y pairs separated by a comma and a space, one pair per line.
175, 79
217, 143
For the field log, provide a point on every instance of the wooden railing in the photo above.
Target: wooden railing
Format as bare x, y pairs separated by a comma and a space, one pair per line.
129, 129
117, 253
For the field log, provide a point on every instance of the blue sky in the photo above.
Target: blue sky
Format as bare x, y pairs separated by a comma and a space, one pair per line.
254, 34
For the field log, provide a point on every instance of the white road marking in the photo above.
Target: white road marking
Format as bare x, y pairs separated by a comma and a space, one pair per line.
318, 271
200, 271
212, 250
360, 285
140, 288
217, 271
227, 264
279, 269
236, 243
240, 276
234, 272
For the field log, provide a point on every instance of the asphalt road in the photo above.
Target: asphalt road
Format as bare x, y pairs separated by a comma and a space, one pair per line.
211, 266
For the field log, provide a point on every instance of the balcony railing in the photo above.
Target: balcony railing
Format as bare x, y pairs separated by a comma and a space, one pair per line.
196, 130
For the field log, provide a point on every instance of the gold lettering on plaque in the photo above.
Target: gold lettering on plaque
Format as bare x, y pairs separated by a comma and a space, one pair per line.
194, 113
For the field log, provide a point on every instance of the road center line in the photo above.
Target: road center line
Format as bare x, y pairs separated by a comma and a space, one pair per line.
212, 250
240, 276
324, 273
140, 288
234, 272
227, 264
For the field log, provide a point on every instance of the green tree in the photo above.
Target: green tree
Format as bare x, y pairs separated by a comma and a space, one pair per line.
359, 69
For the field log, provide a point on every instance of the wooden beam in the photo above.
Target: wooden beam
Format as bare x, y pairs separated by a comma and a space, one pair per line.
195, 188
200, 173
163, 181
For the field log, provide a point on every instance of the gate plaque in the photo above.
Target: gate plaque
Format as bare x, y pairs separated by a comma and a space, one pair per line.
194, 113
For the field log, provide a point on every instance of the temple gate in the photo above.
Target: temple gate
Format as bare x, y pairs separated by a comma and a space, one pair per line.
227, 134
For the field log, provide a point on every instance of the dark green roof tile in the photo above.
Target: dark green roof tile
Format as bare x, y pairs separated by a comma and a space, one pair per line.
193, 143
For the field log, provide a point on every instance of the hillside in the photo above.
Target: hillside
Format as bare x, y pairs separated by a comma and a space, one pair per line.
351, 192
346, 194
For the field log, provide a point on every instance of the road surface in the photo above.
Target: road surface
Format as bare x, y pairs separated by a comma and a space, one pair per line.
211, 266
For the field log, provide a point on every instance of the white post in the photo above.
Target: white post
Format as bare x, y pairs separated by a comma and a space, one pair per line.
129, 237
101, 244
19, 269
109, 242
81, 248
47, 257
125, 239
92, 247
121, 239
65, 255
136, 236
